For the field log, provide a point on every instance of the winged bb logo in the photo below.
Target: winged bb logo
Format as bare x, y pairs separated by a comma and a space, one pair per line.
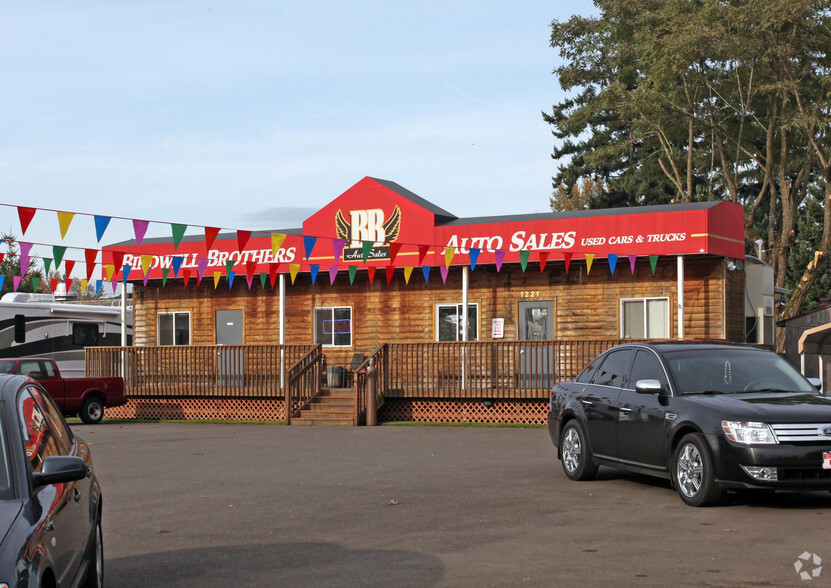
368, 225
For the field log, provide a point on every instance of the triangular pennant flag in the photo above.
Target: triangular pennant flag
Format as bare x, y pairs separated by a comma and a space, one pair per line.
47, 263
474, 257
140, 228
58, 252
146, 261
263, 279
449, 253
408, 271
2, 279
444, 271
313, 269
370, 272
293, 269
567, 259
524, 255
394, 249
273, 269
145, 278
26, 215
16, 282
176, 262
499, 256
69, 265
366, 247
653, 262
543, 259
632, 260
178, 231
165, 273
277, 242
64, 220
612, 262
53, 284
101, 224
35, 284
118, 259
422, 251
309, 245
115, 286
110, 269
84, 284
2, 255
231, 277
333, 272
589, 260
99, 284
242, 239
390, 270
217, 275
229, 265
125, 272
210, 237
249, 279
425, 269
250, 270
201, 266
353, 270
337, 248
186, 277
25, 248
89, 258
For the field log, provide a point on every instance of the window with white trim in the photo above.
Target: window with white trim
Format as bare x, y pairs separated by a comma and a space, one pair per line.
644, 318
449, 323
173, 328
333, 326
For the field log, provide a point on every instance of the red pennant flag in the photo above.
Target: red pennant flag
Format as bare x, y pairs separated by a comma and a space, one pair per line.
89, 256
186, 276
422, 251
54, 284
394, 249
567, 258
2, 255
273, 269
390, 269
543, 259
371, 273
69, 265
118, 259
210, 236
26, 215
250, 268
242, 239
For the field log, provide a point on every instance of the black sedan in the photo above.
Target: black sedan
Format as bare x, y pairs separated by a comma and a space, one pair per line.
50, 499
707, 416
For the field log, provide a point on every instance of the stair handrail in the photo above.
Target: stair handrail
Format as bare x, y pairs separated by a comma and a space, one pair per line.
304, 381
379, 359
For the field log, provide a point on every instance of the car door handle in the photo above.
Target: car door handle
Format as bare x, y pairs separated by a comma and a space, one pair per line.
624, 409
77, 495
587, 403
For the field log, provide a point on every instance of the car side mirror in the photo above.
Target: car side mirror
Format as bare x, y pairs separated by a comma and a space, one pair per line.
59, 469
648, 387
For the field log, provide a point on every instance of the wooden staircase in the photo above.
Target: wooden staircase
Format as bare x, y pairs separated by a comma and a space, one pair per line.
332, 407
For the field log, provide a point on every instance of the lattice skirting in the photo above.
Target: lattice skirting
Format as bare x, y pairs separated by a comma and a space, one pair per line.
440, 410
232, 409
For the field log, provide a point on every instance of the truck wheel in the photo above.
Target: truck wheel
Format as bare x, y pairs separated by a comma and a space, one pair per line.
93, 411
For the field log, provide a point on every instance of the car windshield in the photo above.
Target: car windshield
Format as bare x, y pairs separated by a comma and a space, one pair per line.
6, 489
6, 367
726, 370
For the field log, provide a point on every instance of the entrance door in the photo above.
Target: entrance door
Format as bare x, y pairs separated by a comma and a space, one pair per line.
229, 368
536, 363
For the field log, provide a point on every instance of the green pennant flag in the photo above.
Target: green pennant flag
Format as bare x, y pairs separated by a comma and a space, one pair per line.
47, 263
523, 258
229, 265
165, 273
653, 261
58, 253
353, 269
178, 233
263, 278
366, 247
35, 284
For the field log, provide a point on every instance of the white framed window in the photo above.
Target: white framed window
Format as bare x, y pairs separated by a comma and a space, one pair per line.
449, 323
333, 326
173, 328
644, 318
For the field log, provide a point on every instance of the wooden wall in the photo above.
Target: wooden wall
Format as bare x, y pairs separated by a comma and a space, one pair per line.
586, 304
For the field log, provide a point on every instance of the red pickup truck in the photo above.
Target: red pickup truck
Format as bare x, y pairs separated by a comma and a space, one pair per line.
85, 397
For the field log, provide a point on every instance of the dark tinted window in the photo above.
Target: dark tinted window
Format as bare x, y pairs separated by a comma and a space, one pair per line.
39, 438
613, 368
20, 328
84, 334
587, 375
647, 366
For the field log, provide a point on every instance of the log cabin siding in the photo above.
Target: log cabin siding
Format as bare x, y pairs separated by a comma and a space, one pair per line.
586, 304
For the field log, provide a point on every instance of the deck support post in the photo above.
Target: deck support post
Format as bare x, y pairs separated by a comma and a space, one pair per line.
371, 387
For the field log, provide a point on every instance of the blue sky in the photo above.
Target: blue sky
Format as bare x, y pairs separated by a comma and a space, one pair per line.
252, 114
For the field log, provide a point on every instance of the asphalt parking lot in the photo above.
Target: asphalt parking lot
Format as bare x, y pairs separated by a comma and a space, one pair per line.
266, 505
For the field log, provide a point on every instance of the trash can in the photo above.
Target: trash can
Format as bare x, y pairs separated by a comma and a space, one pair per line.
334, 376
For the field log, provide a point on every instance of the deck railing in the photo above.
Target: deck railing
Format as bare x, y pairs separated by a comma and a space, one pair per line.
304, 381
227, 371
380, 365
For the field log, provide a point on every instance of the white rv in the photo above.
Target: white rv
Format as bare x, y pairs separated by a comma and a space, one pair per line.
34, 325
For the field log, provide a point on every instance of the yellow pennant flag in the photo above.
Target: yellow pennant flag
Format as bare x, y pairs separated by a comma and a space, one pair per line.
589, 260
64, 220
449, 252
110, 268
217, 275
83, 285
293, 269
277, 242
146, 260
408, 271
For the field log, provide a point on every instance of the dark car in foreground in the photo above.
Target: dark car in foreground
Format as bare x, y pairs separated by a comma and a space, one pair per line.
707, 416
50, 499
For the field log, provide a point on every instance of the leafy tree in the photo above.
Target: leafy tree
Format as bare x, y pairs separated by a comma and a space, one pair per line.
682, 100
